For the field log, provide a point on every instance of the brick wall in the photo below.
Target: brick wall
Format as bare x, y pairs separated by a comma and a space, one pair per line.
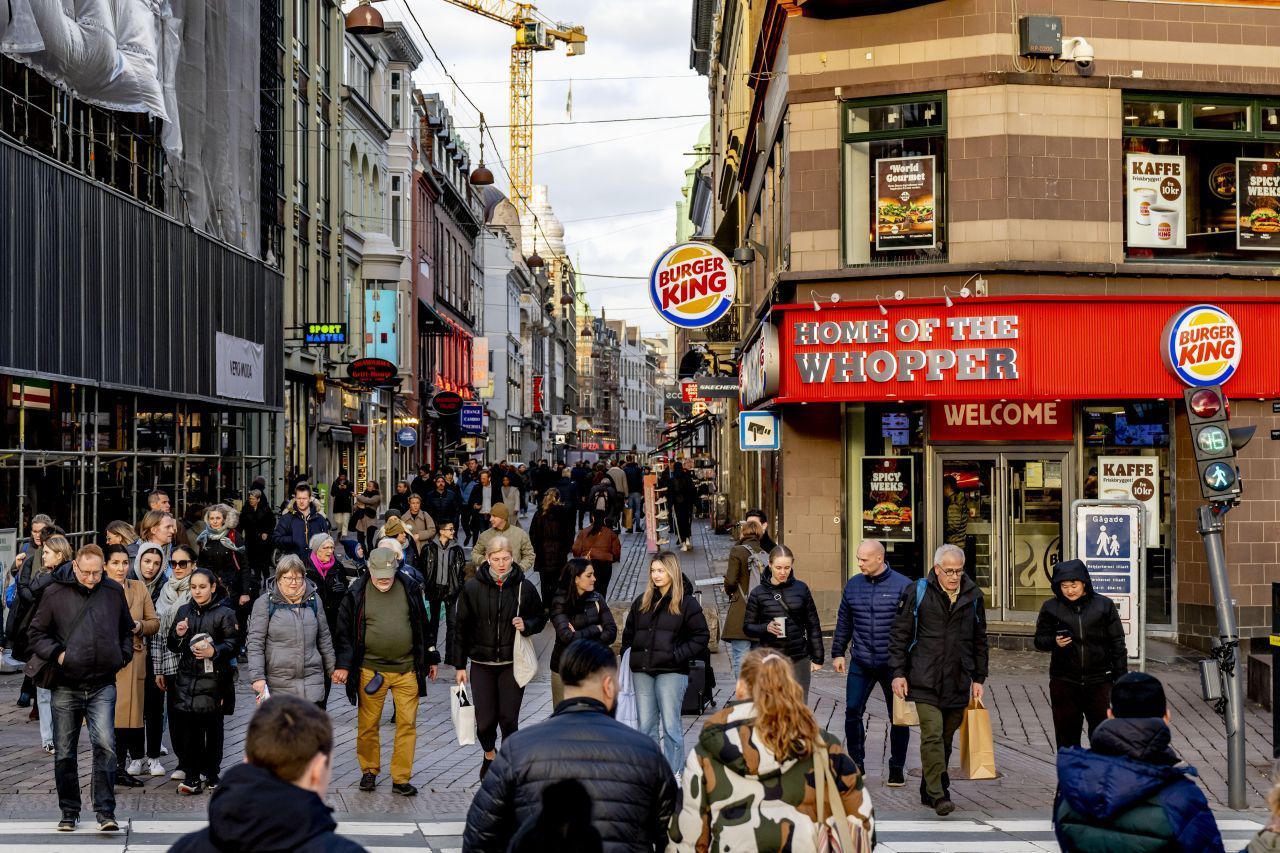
812, 499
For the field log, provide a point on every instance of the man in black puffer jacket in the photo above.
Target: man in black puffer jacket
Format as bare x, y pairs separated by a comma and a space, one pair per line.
1083, 631
630, 790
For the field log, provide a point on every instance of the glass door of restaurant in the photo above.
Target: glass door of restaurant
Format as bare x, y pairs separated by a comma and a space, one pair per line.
1007, 510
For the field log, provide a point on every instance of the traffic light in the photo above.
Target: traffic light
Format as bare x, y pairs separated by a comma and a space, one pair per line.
1215, 442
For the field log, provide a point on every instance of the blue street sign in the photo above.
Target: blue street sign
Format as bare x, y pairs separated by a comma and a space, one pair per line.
407, 437
472, 418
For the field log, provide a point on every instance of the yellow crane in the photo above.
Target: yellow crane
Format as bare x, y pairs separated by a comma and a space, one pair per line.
533, 33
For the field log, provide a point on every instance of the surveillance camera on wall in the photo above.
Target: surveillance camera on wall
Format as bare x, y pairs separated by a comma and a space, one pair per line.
1078, 51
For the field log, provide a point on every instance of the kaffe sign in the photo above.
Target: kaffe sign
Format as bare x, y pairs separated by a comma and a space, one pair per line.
1157, 200
238, 368
1133, 478
887, 499
1258, 204
904, 203
1008, 349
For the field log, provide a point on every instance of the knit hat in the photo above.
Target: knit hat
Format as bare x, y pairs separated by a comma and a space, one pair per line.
1136, 694
393, 527
500, 510
382, 563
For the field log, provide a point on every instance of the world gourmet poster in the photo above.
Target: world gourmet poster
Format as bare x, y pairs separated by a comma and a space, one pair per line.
1258, 204
887, 499
905, 215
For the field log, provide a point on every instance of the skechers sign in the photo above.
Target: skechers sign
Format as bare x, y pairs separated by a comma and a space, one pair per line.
1201, 345
692, 285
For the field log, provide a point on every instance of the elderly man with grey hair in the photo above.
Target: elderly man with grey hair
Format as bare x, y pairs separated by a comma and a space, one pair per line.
938, 654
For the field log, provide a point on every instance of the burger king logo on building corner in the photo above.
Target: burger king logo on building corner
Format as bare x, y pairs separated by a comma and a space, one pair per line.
692, 285
1202, 345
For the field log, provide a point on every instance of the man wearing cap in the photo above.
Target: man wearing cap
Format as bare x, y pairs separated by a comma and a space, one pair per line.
521, 547
1130, 785
382, 642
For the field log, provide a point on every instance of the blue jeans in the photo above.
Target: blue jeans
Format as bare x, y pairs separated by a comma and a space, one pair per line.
737, 651
635, 501
44, 702
658, 699
862, 681
71, 707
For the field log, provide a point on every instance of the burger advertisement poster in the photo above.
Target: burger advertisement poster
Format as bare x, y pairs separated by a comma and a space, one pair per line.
1156, 197
905, 215
887, 492
1258, 204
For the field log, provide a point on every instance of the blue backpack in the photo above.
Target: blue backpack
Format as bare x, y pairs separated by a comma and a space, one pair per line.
922, 584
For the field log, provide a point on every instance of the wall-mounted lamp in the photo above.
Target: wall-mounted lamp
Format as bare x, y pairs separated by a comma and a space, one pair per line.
963, 293
815, 296
898, 296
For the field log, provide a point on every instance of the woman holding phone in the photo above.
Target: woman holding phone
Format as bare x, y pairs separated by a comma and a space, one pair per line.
781, 615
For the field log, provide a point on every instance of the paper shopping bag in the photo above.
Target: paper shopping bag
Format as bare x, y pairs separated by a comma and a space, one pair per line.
464, 715
904, 712
977, 747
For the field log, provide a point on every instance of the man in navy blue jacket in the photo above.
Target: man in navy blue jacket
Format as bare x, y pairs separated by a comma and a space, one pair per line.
867, 609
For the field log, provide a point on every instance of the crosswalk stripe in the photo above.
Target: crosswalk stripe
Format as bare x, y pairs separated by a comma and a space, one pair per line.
918, 826
969, 847
1022, 825
164, 827
41, 827
116, 846
362, 827
1230, 825
443, 828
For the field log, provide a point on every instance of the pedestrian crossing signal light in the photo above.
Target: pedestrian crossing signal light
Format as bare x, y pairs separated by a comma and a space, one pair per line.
1214, 442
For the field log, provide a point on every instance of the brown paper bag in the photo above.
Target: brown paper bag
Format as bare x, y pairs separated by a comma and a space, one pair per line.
904, 712
977, 747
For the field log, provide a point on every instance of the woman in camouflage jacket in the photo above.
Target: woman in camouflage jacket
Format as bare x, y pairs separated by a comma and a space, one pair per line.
760, 752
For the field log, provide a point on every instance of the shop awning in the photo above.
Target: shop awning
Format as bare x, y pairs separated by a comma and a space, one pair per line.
430, 321
340, 435
682, 428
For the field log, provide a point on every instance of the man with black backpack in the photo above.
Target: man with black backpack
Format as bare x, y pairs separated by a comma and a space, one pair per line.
938, 653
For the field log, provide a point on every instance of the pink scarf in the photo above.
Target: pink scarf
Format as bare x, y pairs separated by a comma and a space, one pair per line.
322, 568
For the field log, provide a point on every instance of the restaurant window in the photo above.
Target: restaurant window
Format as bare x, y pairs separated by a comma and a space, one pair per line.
1135, 429
887, 439
894, 166
1202, 179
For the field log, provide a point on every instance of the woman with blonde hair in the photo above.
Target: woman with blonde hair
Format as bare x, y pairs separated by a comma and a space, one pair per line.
120, 533
1268, 838
765, 754
665, 632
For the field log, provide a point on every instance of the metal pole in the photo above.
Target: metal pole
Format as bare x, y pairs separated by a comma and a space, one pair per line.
1228, 649
1275, 668
391, 438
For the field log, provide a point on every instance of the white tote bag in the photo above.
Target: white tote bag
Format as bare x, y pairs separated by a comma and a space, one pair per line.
525, 663
627, 712
464, 714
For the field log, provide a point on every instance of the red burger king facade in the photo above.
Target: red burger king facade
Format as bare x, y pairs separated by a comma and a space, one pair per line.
996, 413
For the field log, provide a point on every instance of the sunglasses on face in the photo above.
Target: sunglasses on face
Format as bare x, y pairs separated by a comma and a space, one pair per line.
180, 562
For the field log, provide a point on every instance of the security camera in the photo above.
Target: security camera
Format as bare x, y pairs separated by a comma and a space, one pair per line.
1079, 51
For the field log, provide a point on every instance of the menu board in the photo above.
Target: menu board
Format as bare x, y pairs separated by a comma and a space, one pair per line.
1258, 204
887, 499
905, 215
1157, 200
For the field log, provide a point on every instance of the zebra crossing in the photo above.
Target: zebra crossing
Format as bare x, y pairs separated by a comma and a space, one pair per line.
999, 835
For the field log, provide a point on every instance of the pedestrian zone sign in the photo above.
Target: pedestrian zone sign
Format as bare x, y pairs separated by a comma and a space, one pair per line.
1108, 541
758, 431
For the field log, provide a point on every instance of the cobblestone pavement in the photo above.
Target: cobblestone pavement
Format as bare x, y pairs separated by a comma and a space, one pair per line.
447, 774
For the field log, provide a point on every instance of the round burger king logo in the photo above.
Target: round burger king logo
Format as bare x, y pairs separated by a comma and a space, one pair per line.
1202, 345
692, 285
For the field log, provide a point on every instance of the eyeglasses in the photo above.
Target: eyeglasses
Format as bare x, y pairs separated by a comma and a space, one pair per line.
951, 573
181, 562
291, 579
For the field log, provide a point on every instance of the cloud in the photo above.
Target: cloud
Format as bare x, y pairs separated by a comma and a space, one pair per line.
608, 168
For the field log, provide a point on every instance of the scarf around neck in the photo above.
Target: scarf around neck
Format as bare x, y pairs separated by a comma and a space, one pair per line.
323, 568
175, 594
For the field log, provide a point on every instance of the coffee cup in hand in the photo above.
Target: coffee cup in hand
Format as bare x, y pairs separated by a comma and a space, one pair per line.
781, 623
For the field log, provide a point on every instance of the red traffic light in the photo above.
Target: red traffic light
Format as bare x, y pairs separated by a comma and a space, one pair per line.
1206, 403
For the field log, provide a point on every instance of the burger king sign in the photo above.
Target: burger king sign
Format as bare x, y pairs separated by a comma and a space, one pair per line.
1202, 345
692, 285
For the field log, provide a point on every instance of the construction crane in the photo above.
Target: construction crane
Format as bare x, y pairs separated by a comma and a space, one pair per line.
533, 33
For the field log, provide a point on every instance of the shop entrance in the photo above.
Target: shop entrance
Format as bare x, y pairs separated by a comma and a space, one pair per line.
1008, 512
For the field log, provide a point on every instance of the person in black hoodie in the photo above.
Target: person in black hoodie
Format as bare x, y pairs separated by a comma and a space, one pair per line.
444, 568
1082, 630
257, 523
493, 605
578, 612
781, 615
83, 632
205, 637
274, 801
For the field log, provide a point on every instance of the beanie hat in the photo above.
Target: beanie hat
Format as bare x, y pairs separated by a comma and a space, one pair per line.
393, 527
500, 510
1136, 694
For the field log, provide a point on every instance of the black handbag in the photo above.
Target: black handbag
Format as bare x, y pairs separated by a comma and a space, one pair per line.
43, 672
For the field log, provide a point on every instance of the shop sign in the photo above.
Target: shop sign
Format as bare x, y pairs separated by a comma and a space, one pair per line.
1258, 204
1156, 192
758, 431
689, 392
692, 285
562, 424
1133, 478
715, 389
537, 395
238, 368
904, 203
447, 403
1002, 420
326, 333
373, 372
472, 419
758, 373
480, 375
1026, 348
407, 437
1108, 541
887, 498
1202, 345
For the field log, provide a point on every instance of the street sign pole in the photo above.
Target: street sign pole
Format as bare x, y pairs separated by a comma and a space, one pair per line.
1227, 652
1275, 668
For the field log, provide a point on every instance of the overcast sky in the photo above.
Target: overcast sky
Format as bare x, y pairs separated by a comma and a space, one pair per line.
616, 186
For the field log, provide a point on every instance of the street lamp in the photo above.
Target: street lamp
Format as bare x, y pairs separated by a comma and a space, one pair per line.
364, 20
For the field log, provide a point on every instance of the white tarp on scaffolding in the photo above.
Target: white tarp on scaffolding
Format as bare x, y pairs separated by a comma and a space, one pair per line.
193, 64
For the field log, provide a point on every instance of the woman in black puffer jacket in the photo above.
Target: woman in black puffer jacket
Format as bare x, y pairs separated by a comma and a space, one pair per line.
204, 635
578, 612
493, 605
781, 596
444, 569
665, 632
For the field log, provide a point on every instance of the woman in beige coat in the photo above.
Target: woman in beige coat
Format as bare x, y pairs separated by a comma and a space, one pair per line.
131, 681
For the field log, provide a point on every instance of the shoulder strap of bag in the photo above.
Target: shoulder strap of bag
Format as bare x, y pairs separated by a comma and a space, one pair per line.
823, 768
922, 586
